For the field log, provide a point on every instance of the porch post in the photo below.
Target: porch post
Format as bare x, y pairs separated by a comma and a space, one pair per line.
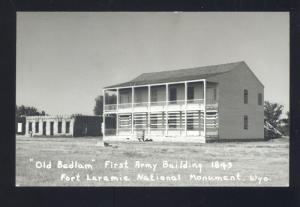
204, 103
132, 105
149, 108
117, 113
185, 106
180, 122
167, 114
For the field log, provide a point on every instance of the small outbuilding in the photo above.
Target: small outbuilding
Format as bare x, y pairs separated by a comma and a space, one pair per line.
70, 126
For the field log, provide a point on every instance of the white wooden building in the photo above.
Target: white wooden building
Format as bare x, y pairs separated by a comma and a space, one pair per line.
63, 125
190, 105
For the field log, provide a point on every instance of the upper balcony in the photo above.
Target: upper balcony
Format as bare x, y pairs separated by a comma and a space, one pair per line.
179, 105
164, 97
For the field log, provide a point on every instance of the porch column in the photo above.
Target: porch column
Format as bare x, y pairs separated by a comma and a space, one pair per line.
103, 115
204, 103
167, 102
132, 105
185, 106
117, 113
180, 122
149, 108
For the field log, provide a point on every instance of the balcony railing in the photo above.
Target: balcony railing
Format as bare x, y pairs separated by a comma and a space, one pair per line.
195, 101
177, 102
209, 104
125, 105
141, 104
158, 103
110, 107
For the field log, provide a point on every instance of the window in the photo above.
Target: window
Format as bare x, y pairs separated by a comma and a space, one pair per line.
174, 120
172, 123
44, 127
157, 120
125, 97
51, 127
67, 127
173, 94
30, 127
19, 127
190, 94
138, 98
245, 96
36, 127
154, 96
124, 121
245, 122
154, 123
59, 127
140, 120
190, 123
259, 99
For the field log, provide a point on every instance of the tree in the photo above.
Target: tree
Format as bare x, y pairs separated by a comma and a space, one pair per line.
28, 111
272, 113
98, 108
285, 126
286, 120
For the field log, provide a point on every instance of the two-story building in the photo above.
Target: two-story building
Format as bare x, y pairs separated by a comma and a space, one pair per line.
189, 105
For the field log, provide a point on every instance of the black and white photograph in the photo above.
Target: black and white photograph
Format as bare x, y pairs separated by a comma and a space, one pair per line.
175, 99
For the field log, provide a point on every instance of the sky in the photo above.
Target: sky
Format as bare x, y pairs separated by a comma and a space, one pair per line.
64, 59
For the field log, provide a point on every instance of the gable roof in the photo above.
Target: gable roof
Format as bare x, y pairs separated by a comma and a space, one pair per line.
179, 75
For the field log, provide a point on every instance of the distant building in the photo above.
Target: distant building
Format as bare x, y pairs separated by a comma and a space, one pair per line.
219, 102
73, 126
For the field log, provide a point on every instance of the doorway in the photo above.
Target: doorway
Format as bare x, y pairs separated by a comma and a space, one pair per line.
44, 127
110, 124
51, 127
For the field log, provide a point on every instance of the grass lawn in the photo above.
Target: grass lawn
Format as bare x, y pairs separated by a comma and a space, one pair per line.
263, 163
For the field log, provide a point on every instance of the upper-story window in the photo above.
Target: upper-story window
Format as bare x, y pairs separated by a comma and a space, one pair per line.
190, 93
259, 99
125, 97
173, 94
154, 95
245, 96
138, 98
211, 94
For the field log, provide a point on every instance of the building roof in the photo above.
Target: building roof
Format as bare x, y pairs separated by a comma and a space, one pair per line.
58, 116
179, 75
49, 117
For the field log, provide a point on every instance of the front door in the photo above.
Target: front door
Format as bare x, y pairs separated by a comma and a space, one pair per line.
44, 128
51, 127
